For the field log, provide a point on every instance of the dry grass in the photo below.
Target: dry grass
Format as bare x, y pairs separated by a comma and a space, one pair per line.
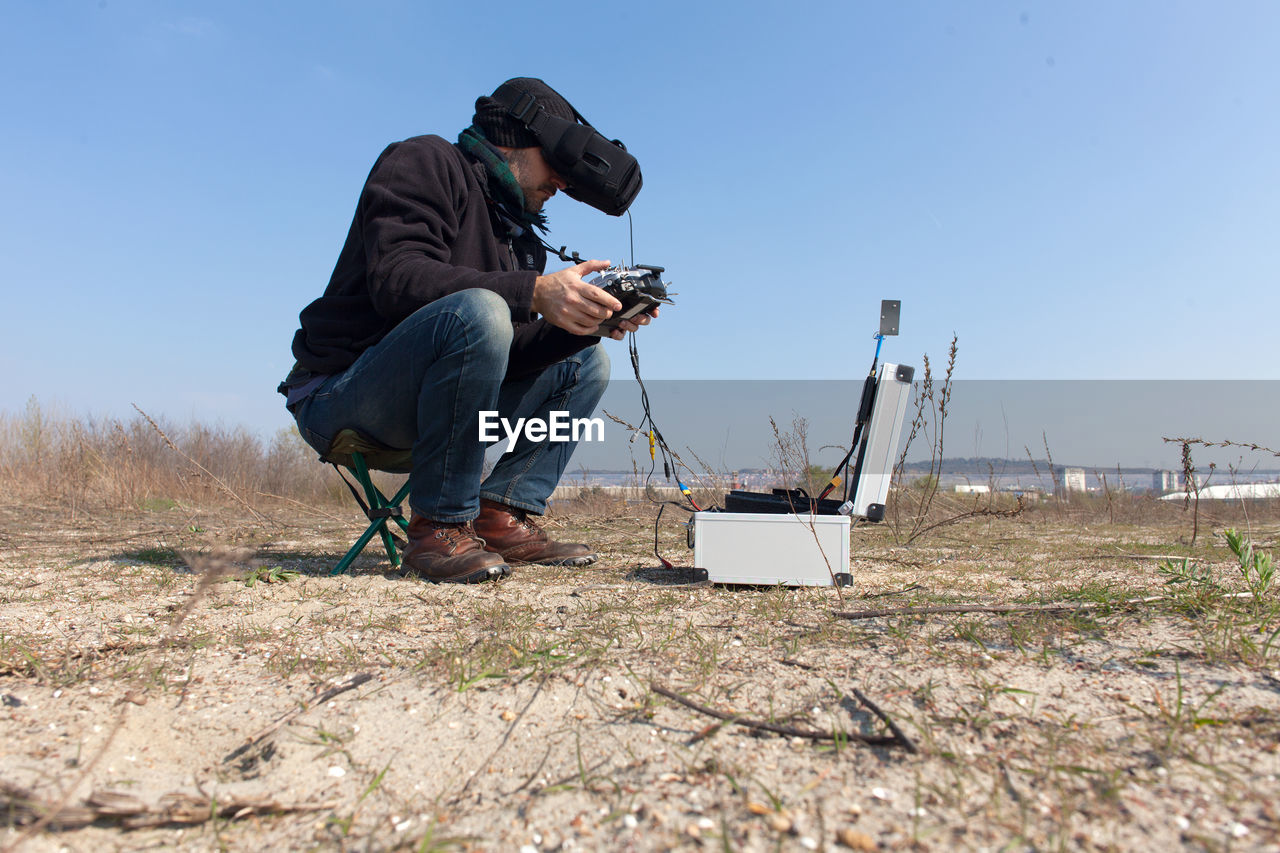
191, 670
98, 465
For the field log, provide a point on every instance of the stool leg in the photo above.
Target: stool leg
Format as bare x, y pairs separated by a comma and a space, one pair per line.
399, 499
387, 542
345, 562
376, 501
361, 472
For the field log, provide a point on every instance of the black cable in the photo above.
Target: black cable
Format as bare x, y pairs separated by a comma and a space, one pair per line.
666, 564
670, 464
662, 505
860, 421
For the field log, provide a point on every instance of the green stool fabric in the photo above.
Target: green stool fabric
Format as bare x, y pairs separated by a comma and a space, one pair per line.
360, 455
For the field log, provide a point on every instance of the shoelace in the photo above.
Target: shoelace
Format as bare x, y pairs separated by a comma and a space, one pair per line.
523, 519
456, 536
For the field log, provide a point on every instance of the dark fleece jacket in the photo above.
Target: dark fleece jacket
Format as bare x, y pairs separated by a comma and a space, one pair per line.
422, 230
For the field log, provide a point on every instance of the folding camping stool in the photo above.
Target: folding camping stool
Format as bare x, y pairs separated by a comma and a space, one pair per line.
360, 455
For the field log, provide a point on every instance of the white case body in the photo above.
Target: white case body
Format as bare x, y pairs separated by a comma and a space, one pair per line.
884, 429
771, 549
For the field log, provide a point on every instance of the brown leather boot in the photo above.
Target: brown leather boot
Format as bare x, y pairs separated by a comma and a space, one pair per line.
509, 531
450, 553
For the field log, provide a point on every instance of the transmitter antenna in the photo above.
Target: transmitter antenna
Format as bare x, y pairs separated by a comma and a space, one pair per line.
631, 227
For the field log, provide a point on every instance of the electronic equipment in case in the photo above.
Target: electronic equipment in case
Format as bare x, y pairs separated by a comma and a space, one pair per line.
788, 537
772, 549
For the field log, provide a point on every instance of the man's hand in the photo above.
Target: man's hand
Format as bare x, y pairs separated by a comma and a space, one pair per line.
631, 325
578, 307
571, 303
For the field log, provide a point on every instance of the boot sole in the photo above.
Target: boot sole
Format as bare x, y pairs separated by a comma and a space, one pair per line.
575, 562
489, 573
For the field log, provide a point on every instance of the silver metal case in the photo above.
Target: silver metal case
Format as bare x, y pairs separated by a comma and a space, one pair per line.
772, 549
893, 391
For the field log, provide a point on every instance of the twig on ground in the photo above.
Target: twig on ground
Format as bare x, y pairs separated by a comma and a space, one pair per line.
902, 591
284, 719
884, 718
873, 558
21, 807
31, 665
46, 813
576, 593
1123, 556
1056, 607
791, 731
127, 537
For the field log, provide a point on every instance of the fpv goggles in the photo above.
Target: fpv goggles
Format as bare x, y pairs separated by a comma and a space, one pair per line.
599, 171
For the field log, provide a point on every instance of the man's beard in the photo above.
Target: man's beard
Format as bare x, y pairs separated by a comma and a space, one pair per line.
534, 203
534, 197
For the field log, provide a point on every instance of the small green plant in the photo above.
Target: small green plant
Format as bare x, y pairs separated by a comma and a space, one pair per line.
1177, 718
1257, 566
269, 574
1188, 576
1231, 625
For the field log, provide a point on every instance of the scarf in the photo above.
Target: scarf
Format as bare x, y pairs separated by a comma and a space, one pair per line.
503, 190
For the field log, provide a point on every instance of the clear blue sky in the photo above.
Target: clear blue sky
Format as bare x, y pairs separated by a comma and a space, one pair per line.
1078, 190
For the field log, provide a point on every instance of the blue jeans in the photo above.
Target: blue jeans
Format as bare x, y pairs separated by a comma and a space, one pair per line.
423, 387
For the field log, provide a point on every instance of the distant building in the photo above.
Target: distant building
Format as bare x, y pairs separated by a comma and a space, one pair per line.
1073, 480
1165, 481
1235, 492
966, 489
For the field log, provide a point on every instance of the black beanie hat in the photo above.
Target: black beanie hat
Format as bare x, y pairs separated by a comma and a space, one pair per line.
502, 129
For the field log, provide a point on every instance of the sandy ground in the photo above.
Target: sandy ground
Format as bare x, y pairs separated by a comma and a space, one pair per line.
377, 712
